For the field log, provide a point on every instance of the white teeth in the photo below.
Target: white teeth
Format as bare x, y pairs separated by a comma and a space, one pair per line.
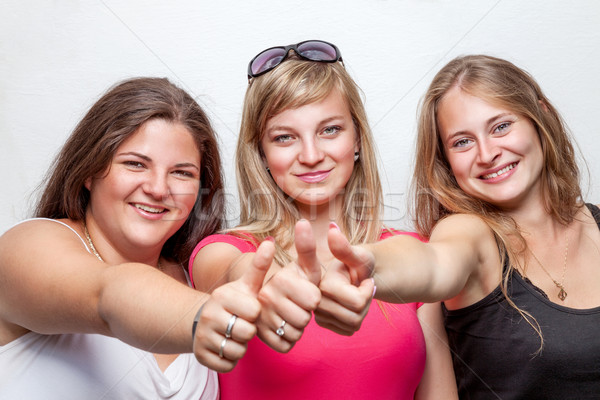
149, 209
498, 173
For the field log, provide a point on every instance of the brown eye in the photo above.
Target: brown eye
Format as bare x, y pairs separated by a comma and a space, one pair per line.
134, 164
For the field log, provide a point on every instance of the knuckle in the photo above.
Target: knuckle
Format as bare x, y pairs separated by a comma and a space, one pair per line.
305, 319
355, 322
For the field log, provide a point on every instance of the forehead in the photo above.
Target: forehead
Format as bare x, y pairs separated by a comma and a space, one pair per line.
458, 110
160, 136
334, 105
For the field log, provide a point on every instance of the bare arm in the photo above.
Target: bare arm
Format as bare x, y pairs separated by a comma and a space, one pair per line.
461, 262
50, 284
438, 381
461, 253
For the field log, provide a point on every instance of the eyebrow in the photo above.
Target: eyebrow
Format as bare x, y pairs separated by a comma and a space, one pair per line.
148, 159
488, 122
501, 115
287, 128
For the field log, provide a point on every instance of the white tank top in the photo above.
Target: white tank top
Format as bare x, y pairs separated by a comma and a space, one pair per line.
91, 366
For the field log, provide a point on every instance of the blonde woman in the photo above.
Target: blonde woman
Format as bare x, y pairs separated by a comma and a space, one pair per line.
512, 248
305, 160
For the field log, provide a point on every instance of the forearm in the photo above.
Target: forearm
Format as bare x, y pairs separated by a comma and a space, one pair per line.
408, 270
147, 309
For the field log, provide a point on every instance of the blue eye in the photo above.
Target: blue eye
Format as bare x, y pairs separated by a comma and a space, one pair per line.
282, 138
462, 142
331, 130
503, 127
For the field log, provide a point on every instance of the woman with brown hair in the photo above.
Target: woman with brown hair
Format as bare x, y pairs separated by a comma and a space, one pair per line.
94, 298
512, 249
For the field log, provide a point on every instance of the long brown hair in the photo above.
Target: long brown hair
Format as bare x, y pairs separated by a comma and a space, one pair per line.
109, 122
435, 191
293, 84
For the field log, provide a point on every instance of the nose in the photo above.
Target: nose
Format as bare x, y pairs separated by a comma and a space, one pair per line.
156, 185
488, 151
311, 153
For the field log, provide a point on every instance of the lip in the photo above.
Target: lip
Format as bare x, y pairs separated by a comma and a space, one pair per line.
314, 176
500, 173
149, 211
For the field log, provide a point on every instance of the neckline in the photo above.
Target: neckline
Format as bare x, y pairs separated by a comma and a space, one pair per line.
541, 295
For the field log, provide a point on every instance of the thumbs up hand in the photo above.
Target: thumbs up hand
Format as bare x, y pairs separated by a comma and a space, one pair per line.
346, 288
227, 320
291, 295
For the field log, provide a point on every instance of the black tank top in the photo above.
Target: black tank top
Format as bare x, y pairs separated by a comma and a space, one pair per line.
493, 347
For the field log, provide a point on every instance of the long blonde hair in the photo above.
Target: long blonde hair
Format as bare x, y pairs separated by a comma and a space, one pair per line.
265, 210
435, 192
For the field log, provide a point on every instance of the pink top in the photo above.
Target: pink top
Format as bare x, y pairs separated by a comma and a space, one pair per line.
385, 359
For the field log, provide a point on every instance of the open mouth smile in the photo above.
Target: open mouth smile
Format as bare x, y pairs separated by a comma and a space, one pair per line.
499, 172
152, 210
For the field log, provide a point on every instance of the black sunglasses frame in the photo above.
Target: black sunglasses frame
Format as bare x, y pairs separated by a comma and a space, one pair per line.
286, 49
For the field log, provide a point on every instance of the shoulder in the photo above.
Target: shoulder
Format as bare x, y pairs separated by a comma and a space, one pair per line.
469, 237
216, 253
243, 242
460, 226
389, 232
467, 234
41, 232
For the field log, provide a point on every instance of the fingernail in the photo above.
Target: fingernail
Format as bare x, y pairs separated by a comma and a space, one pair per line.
270, 239
334, 225
374, 288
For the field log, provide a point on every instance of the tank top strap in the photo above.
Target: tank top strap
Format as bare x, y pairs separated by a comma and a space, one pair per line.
595, 210
59, 222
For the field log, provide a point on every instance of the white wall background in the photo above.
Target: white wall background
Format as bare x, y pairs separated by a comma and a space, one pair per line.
57, 57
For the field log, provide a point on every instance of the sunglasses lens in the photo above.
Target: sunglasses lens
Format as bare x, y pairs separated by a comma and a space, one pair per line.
267, 60
317, 51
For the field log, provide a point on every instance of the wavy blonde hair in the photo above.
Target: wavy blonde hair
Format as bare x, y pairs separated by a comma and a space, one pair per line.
435, 192
265, 210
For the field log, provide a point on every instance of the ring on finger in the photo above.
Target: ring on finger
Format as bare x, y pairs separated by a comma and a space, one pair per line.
223, 343
230, 326
280, 332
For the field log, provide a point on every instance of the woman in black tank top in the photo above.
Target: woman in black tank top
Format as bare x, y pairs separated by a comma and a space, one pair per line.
513, 250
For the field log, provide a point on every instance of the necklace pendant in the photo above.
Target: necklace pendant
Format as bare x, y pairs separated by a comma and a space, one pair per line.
562, 295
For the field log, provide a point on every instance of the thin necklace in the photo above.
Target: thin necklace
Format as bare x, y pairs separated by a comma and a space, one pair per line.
89, 239
562, 294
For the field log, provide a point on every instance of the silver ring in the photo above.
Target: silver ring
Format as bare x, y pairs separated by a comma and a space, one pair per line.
223, 343
280, 332
230, 326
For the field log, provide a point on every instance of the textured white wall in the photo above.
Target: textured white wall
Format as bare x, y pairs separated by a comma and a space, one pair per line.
57, 57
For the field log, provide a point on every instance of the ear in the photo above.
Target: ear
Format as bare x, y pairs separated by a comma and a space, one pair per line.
544, 105
88, 183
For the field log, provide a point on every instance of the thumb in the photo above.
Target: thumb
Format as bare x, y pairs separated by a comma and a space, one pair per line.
261, 262
358, 261
306, 247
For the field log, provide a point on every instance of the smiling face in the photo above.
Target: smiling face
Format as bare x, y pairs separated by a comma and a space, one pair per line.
495, 154
309, 150
149, 189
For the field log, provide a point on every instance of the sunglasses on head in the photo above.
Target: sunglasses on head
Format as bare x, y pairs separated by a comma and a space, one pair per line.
311, 50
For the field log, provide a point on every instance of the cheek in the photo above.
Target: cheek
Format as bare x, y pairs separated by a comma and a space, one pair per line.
185, 192
279, 159
457, 165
